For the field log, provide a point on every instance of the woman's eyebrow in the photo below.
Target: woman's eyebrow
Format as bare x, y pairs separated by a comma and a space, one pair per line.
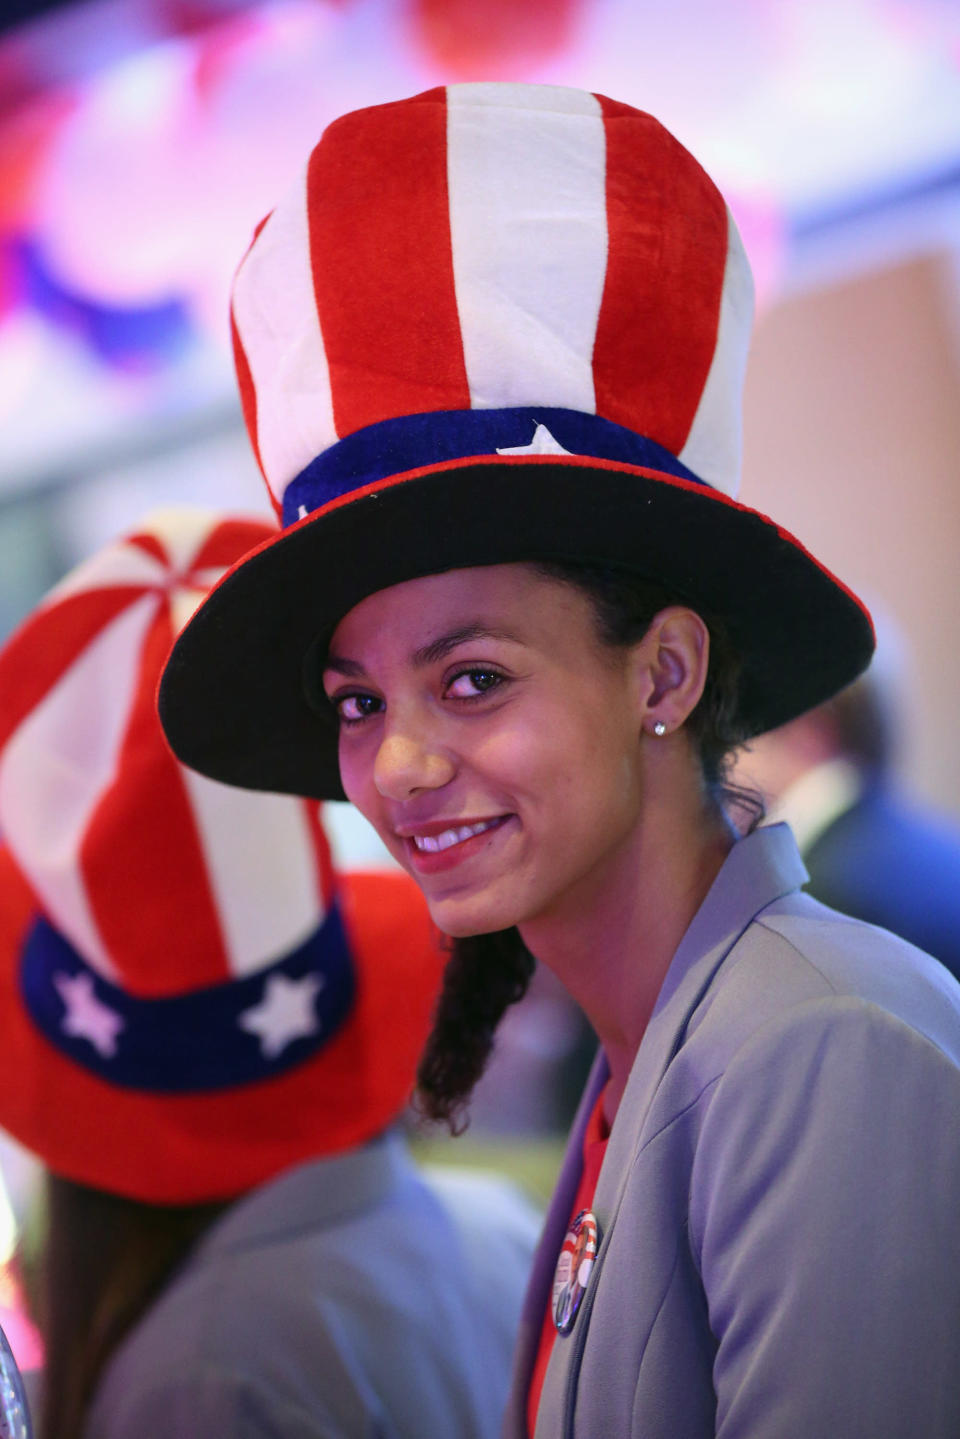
438, 649
342, 666
429, 654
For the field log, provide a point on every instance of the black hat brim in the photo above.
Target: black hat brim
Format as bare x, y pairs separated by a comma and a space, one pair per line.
233, 698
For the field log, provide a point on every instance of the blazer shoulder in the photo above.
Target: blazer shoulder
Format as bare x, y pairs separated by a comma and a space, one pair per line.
798, 951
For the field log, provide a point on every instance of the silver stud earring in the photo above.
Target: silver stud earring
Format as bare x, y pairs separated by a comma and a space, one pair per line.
659, 729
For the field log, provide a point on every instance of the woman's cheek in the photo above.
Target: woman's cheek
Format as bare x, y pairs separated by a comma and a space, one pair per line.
356, 776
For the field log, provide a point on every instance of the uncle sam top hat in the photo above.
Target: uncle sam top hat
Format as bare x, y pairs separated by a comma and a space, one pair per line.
492, 323
190, 998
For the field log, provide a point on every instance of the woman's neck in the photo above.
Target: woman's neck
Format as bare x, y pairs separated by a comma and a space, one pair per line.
611, 943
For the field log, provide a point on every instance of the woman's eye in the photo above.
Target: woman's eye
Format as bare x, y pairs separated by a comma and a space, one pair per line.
471, 683
352, 708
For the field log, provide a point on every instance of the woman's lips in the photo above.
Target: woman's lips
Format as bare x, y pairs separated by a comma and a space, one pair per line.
443, 847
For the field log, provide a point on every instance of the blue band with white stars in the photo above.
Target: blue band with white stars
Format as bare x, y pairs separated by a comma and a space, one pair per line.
391, 447
233, 1033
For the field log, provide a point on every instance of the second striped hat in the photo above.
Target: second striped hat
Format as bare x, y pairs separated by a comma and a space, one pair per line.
191, 997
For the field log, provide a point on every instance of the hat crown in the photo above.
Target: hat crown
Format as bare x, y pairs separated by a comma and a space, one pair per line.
497, 248
163, 881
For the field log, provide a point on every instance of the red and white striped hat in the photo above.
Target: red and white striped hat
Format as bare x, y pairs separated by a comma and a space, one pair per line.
190, 999
493, 322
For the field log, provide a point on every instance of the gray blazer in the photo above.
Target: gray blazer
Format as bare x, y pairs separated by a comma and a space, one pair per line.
779, 1206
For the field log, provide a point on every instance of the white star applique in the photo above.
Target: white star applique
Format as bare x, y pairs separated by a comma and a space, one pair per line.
542, 443
87, 1017
285, 1013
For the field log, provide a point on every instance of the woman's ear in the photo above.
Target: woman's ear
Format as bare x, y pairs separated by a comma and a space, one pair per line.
671, 668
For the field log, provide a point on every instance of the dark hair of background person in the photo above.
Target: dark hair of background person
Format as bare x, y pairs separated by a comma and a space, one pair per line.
106, 1259
486, 973
865, 723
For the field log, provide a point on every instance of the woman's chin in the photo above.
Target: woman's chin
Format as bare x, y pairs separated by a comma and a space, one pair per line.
465, 916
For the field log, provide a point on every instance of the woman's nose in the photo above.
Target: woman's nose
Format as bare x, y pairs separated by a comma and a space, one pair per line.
406, 763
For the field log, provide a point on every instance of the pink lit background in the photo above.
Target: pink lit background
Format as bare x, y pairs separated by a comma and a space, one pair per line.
140, 142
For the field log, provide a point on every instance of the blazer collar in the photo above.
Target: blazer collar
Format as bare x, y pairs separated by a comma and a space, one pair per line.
760, 868
313, 1195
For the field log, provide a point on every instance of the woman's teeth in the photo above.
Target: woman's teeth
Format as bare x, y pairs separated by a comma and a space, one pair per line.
433, 843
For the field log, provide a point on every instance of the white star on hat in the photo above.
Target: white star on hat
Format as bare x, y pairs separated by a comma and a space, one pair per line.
542, 443
87, 1017
285, 1013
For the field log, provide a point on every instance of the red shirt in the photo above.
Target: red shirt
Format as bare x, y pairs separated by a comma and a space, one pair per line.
595, 1138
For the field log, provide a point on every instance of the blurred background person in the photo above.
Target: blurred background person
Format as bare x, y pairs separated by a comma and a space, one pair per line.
208, 1036
871, 851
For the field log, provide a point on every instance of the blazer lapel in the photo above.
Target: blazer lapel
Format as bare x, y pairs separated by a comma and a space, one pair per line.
540, 1285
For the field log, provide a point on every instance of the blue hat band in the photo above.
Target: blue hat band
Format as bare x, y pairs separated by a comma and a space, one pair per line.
229, 1034
392, 447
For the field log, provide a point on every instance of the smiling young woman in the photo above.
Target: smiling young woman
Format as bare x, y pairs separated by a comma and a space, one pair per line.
491, 354
504, 743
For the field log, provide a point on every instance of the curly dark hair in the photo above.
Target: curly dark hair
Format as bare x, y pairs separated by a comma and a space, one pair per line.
486, 973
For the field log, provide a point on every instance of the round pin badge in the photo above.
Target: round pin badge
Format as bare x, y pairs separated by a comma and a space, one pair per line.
573, 1270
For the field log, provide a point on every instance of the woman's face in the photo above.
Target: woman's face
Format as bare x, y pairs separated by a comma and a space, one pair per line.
491, 739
